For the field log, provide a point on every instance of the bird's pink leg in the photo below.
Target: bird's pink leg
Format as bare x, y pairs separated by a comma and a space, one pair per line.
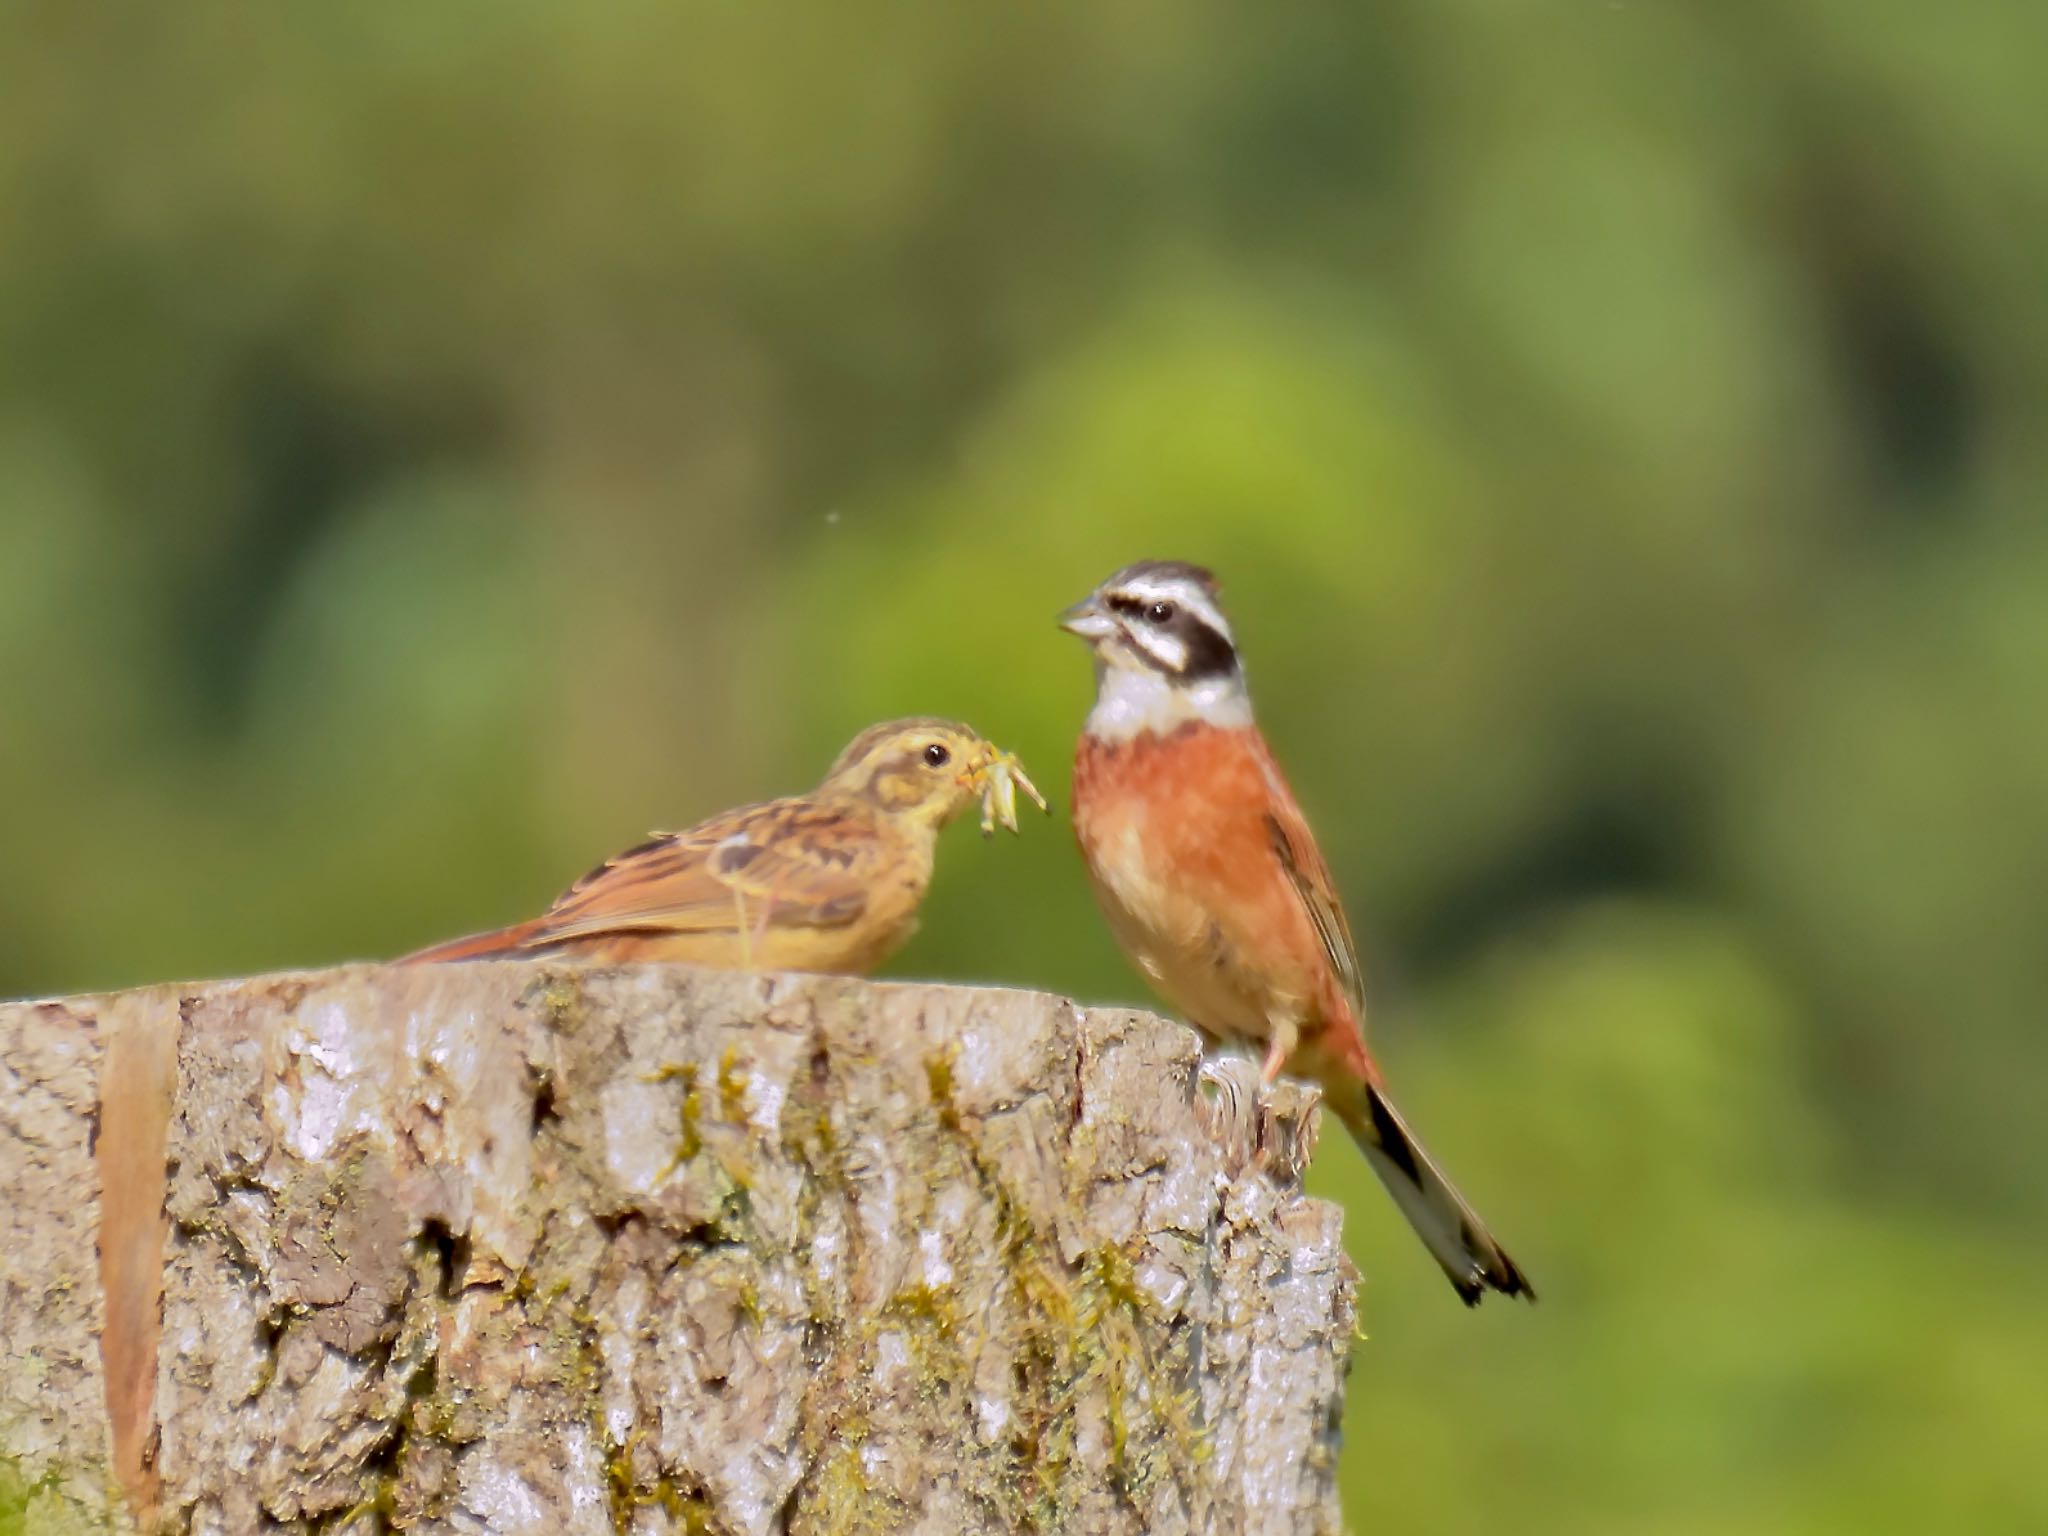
1278, 1049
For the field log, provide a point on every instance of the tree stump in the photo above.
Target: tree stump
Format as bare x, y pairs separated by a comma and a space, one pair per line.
531, 1248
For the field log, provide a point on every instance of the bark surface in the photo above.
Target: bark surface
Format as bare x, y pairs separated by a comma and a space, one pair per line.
519, 1248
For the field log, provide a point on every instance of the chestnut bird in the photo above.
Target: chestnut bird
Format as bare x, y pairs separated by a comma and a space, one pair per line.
1215, 889
828, 881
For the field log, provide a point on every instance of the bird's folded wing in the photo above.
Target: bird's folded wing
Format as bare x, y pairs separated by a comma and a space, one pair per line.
1317, 892
790, 865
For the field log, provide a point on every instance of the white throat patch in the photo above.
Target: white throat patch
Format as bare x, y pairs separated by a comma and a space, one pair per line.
1132, 699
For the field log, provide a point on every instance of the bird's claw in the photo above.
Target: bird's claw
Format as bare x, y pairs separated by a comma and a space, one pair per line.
1257, 1127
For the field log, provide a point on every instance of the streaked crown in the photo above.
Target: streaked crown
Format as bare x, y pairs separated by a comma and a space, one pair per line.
923, 767
893, 740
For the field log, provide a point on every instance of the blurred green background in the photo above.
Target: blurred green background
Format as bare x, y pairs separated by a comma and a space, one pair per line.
439, 443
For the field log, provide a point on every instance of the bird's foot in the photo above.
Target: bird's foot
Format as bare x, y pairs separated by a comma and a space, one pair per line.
1256, 1127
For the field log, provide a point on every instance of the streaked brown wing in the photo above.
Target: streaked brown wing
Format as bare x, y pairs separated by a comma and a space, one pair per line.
1295, 847
789, 862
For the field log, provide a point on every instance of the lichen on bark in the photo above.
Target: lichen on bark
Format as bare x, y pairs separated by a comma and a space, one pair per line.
513, 1247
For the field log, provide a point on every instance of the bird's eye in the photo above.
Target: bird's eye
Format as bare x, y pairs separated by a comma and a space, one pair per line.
937, 755
1160, 613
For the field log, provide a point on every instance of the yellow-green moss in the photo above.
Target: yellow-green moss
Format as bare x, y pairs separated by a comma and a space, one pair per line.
938, 1074
1113, 1319
687, 1507
934, 1306
561, 1000
842, 1502
732, 1086
44, 1496
689, 1137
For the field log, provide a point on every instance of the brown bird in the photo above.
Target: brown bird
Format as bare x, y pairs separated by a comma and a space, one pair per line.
1213, 884
828, 881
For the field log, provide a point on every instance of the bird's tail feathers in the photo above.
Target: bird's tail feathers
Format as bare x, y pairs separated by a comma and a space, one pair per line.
1448, 1227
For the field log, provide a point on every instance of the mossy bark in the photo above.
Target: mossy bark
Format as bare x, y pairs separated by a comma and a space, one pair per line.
517, 1248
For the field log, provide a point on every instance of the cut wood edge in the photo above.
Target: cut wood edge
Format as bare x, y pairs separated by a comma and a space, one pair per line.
138, 1074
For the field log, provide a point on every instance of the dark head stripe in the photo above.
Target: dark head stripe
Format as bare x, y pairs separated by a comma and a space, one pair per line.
1205, 652
1209, 653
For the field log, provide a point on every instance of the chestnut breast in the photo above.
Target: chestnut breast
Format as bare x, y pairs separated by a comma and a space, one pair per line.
1176, 832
